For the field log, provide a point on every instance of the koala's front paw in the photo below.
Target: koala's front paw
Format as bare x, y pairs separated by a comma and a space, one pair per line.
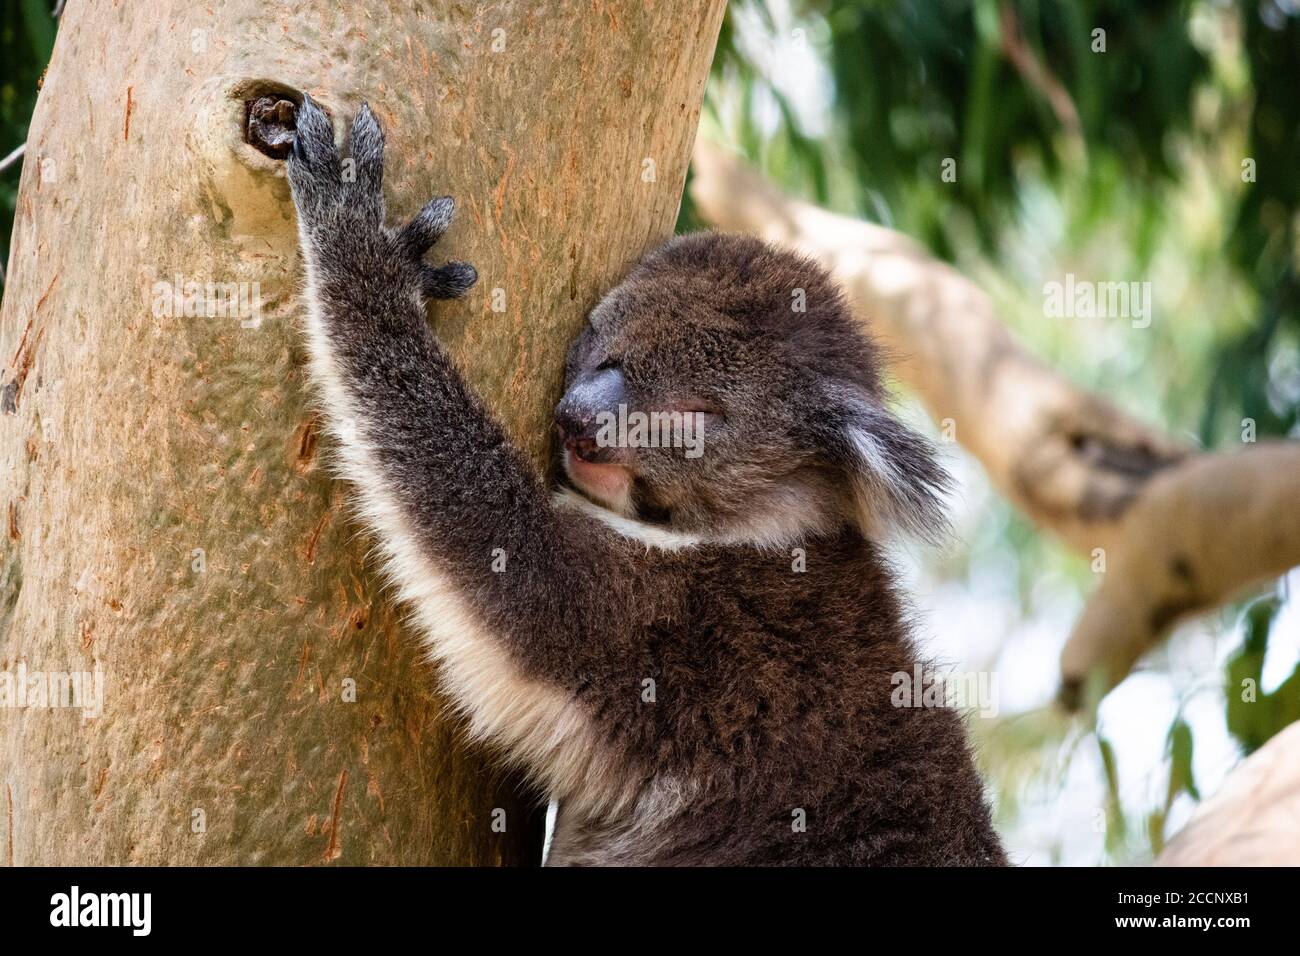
341, 206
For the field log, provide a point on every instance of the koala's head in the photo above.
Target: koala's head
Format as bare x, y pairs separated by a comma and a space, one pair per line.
723, 388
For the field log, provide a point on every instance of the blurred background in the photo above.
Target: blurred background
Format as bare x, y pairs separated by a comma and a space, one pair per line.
1125, 164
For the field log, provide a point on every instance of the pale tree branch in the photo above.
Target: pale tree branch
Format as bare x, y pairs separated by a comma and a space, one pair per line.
1254, 818
1179, 530
13, 157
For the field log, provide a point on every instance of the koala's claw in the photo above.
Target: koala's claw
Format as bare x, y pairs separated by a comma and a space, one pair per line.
346, 213
450, 281
366, 144
419, 235
313, 141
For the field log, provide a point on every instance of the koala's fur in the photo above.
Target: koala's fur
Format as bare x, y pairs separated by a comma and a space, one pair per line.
772, 688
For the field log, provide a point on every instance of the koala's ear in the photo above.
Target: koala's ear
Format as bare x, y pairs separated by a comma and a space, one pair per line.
894, 477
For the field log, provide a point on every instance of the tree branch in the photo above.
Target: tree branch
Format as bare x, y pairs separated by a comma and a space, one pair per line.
1254, 818
1180, 531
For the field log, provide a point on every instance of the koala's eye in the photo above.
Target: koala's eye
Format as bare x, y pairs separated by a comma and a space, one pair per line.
607, 364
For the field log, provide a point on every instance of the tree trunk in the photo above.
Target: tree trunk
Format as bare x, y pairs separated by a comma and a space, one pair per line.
170, 524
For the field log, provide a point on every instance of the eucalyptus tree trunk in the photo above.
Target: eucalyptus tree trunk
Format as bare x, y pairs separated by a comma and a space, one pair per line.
171, 529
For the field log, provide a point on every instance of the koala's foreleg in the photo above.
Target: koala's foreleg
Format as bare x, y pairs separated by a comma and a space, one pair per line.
467, 529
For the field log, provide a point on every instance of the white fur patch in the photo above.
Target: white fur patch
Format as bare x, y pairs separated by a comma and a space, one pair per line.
878, 486
634, 837
792, 516
649, 535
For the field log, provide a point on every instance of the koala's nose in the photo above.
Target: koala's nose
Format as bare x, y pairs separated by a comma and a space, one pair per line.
582, 410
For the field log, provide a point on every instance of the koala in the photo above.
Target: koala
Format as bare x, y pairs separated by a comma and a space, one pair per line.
692, 654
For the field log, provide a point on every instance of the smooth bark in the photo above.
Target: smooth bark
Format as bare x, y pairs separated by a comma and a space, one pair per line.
169, 519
